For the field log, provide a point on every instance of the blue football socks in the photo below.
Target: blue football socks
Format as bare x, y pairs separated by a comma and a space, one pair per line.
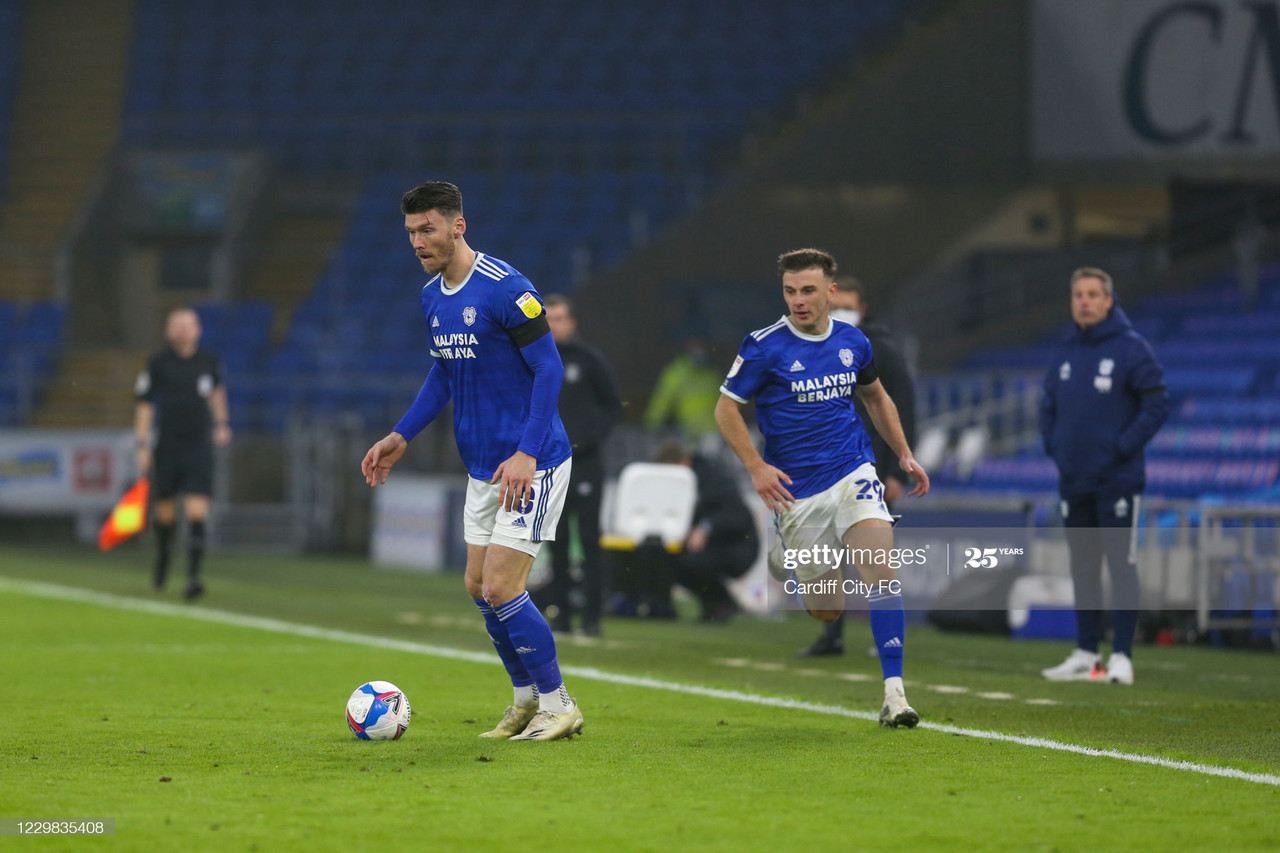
520, 676
888, 626
531, 637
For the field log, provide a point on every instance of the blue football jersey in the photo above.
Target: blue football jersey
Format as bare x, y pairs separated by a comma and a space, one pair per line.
489, 382
803, 386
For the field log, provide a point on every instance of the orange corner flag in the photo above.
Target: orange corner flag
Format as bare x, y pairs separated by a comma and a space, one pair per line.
128, 518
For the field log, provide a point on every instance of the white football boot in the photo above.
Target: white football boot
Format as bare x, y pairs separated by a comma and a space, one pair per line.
514, 720
896, 712
547, 725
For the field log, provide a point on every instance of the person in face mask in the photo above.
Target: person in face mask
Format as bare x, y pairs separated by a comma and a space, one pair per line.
686, 393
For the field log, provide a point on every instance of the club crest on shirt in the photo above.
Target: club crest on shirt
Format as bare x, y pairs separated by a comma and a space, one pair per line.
1106, 366
1064, 372
469, 315
572, 372
529, 305
846, 357
204, 385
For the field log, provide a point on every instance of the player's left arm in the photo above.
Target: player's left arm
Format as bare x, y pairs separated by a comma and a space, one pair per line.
538, 349
884, 416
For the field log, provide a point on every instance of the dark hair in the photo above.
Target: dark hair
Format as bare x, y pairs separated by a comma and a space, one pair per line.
433, 195
671, 452
803, 259
849, 284
553, 299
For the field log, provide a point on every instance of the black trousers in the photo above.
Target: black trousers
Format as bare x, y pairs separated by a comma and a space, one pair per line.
704, 572
583, 504
1098, 526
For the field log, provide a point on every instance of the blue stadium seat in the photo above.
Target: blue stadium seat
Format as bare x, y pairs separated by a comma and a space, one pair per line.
1256, 411
1210, 381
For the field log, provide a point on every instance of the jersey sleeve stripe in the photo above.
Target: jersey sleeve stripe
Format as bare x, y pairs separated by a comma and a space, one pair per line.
761, 334
731, 395
490, 269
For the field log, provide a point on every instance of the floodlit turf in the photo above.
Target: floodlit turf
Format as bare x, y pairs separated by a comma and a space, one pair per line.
247, 726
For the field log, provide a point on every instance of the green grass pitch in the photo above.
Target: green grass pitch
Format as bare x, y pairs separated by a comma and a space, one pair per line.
203, 735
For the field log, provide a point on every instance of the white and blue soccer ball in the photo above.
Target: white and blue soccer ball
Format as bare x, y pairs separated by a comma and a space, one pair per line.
378, 710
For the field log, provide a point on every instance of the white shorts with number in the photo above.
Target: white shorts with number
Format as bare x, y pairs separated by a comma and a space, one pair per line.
525, 528
823, 518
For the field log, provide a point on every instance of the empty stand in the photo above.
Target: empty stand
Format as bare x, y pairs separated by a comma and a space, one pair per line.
1222, 367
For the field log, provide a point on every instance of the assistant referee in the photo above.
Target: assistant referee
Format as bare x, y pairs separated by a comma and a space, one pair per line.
181, 398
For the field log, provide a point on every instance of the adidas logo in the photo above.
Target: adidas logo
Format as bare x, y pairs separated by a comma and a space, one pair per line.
435, 322
893, 643
524, 650
796, 366
519, 522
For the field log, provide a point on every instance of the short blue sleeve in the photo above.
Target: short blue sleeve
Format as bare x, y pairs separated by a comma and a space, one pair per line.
748, 373
515, 302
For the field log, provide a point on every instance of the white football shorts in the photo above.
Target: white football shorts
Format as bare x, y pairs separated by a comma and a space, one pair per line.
523, 528
822, 519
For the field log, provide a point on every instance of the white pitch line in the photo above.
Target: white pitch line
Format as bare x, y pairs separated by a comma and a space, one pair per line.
162, 608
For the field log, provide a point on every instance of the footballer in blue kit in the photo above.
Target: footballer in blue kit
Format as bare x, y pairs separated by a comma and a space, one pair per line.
817, 472
497, 362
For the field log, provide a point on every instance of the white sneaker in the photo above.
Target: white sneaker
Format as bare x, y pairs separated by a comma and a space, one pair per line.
1079, 666
1119, 669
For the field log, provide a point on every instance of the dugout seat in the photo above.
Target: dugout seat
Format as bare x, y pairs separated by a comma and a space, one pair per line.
651, 500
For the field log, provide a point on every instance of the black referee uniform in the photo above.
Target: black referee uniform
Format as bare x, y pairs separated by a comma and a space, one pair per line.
180, 388
589, 407
182, 461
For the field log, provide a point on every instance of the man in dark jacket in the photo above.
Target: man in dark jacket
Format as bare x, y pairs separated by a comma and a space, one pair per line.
1104, 399
850, 305
722, 542
589, 407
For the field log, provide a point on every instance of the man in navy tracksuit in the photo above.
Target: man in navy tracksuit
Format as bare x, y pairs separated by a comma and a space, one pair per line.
1104, 399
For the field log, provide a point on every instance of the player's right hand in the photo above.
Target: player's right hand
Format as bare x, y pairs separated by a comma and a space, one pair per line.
768, 482
378, 461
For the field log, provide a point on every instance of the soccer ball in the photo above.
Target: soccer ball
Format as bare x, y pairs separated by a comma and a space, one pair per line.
378, 710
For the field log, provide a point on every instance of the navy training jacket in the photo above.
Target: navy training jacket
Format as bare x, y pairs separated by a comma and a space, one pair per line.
1104, 399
